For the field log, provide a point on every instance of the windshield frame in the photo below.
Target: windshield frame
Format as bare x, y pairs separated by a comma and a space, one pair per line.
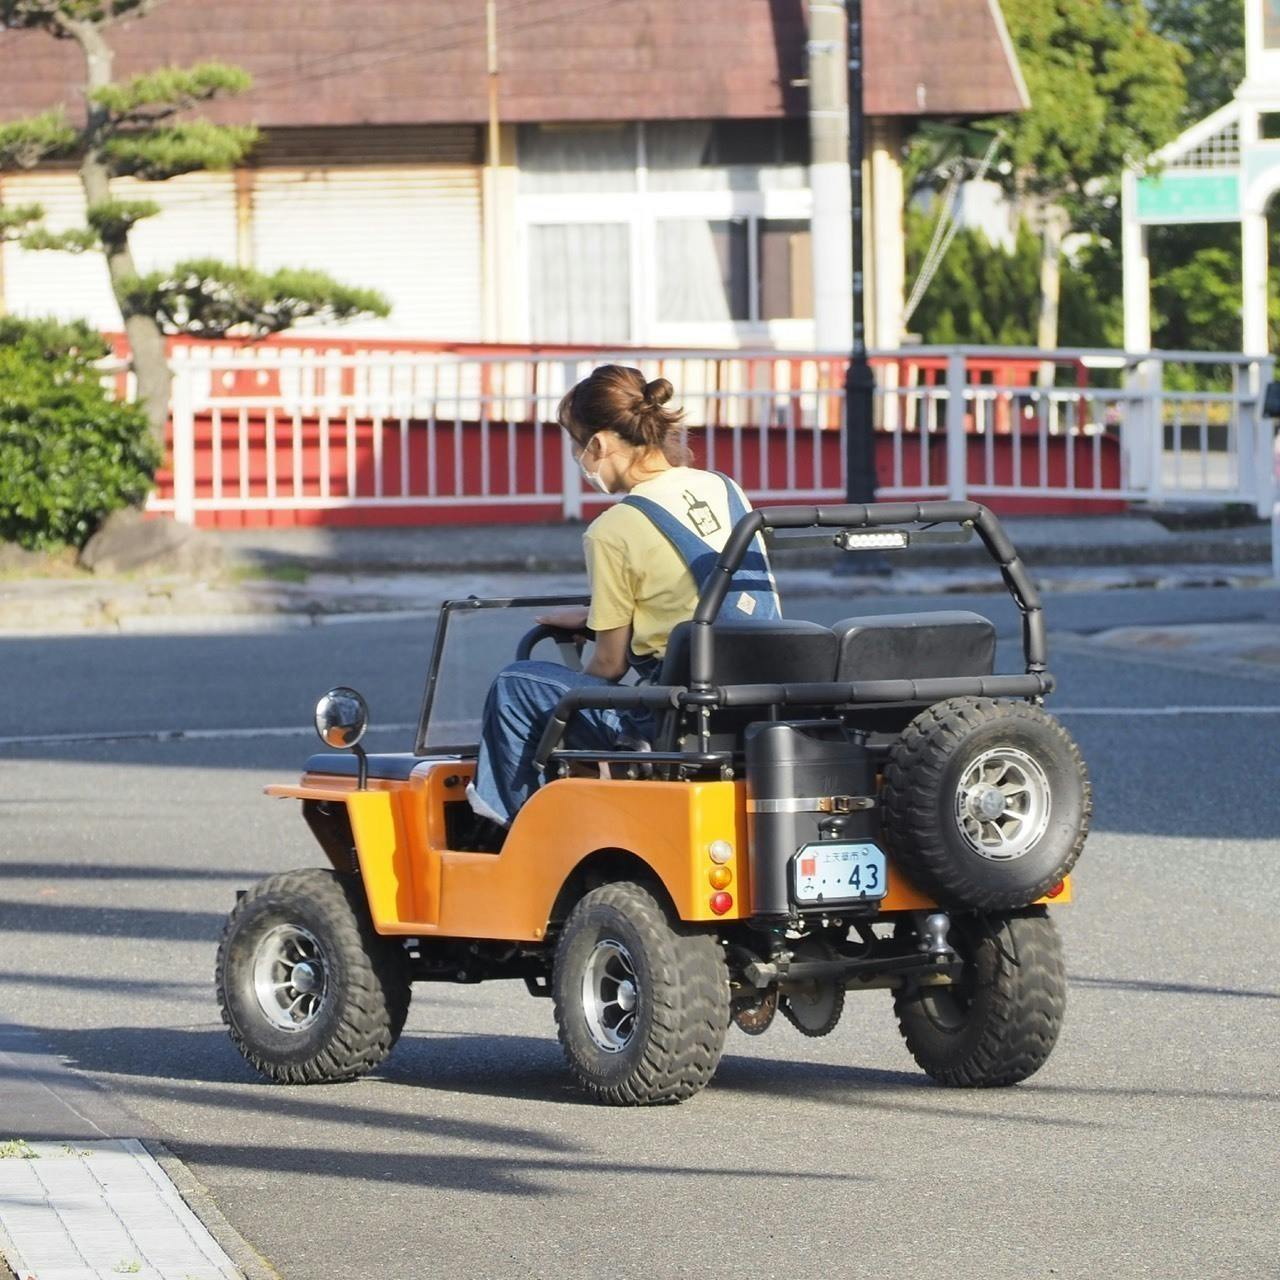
447, 611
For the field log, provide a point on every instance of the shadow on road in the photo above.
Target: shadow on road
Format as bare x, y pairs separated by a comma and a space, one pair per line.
162, 923
120, 871
149, 1060
1171, 988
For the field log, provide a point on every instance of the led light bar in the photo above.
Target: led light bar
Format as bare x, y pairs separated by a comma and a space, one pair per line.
883, 541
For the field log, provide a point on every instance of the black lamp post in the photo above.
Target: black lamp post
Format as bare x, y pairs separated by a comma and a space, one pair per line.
859, 383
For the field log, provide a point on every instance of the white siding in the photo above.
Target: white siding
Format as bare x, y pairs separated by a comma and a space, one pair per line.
197, 220
413, 232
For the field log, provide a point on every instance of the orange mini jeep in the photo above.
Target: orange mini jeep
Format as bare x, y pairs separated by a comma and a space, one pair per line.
822, 810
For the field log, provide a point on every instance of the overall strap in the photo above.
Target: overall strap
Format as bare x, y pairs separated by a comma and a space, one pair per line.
699, 556
754, 577
753, 590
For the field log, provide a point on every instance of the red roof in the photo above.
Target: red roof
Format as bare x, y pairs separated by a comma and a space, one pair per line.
321, 62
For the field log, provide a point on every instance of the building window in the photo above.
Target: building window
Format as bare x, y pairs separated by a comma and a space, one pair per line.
580, 283
786, 270
703, 271
578, 158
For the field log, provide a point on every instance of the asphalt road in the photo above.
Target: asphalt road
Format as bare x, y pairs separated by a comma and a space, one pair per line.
1148, 1146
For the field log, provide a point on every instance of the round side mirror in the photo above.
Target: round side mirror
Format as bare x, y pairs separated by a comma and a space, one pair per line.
342, 716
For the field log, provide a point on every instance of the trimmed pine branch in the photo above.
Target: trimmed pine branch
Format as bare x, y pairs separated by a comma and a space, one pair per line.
157, 95
59, 16
114, 219
24, 143
77, 240
157, 154
19, 221
213, 299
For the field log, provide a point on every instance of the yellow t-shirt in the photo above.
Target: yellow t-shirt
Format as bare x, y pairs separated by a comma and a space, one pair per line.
636, 575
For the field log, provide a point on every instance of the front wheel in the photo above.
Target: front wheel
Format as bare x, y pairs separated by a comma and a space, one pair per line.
309, 992
642, 1008
998, 1024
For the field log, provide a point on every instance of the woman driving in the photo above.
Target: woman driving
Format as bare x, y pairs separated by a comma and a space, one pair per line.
647, 558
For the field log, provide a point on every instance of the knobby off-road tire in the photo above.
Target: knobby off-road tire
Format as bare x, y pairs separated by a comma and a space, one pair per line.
959, 755
999, 1023
642, 1007
309, 992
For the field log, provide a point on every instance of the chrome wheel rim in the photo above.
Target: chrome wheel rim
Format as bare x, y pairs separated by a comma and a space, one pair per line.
1002, 804
290, 977
610, 995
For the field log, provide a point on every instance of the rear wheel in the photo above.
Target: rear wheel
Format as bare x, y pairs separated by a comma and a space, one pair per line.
998, 1024
642, 1007
309, 992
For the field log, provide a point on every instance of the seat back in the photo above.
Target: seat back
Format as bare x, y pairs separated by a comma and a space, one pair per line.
914, 646
763, 652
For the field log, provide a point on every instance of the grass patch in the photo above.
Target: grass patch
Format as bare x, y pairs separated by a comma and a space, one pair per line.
18, 1149
294, 573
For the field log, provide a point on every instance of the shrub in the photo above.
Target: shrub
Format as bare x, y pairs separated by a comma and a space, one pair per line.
69, 453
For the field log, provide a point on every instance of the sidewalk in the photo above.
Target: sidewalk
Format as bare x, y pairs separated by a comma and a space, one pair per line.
88, 1193
304, 577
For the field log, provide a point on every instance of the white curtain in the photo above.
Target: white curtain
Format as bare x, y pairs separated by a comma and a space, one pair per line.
592, 158
702, 271
580, 282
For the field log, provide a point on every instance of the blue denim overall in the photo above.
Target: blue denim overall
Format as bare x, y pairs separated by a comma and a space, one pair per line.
524, 694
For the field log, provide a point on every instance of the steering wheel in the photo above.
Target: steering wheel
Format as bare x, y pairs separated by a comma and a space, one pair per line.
566, 641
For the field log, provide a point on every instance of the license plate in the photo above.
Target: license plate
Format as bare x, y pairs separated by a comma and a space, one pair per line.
838, 871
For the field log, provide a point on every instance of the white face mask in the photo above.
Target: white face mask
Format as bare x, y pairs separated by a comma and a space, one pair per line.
593, 478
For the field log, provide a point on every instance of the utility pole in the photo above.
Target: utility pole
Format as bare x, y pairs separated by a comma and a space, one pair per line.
859, 383
492, 194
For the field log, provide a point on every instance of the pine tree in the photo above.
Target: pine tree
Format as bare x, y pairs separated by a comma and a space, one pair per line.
141, 128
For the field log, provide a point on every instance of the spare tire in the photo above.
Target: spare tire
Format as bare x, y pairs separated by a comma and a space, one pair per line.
986, 803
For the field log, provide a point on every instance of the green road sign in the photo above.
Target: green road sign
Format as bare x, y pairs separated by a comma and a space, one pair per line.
1189, 197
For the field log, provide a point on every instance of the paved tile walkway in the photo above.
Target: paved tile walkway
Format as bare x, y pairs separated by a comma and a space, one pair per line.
97, 1211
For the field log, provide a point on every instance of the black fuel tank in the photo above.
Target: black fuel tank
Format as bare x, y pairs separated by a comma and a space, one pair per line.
801, 780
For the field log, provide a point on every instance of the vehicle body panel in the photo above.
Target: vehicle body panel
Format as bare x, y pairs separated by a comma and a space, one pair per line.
417, 886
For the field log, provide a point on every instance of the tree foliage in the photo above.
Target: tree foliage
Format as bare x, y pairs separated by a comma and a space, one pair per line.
55, 15
24, 143
1212, 34
984, 294
212, 299
1106, 91
69, 452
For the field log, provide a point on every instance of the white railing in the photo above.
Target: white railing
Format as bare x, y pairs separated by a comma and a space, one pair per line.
278, 430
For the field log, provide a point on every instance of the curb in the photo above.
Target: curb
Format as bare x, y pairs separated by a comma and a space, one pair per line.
259, 612
201, 1203
1172, 552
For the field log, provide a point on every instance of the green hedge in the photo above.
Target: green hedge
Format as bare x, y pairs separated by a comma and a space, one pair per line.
69, 453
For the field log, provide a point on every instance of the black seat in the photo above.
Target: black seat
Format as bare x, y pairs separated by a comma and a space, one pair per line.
391, 766
766, 652
914, 646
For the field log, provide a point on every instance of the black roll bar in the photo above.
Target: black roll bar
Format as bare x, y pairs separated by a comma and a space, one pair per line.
865, 516
700, 691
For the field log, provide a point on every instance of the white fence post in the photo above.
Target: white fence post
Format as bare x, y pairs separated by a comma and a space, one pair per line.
570, 475
957, 439
1265, 459
1151, 381
184, 446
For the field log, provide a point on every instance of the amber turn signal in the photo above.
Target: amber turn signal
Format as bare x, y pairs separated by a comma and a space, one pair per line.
720, 877
721, 902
